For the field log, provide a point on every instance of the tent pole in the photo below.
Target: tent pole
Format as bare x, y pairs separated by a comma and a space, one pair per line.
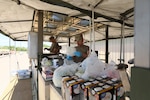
9, 58
107, 44
122, 42
93, 33
90, 27
69, 41
16, 57
40, 45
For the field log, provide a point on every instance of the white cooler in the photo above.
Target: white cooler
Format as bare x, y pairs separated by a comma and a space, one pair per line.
23, 74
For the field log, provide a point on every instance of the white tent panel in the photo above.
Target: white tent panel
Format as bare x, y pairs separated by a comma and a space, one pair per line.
17, 27
10, 11
111, 8
20, 36
39, 5
17, 19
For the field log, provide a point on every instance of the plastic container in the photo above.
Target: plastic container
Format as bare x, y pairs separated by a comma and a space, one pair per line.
23, 74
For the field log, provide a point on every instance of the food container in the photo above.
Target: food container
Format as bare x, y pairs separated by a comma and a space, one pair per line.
47, 75
23, 74
55, 62
104, 92
118, 89
86, 86
119, 93
71, 88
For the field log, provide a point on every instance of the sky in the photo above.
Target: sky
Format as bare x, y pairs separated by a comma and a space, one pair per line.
4, 41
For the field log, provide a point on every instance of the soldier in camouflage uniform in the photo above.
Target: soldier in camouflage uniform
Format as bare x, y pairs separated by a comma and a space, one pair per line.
82, 50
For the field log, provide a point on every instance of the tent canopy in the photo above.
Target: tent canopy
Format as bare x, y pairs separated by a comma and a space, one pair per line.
66, 18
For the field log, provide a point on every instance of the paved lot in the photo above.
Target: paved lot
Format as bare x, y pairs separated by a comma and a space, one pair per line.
9, 65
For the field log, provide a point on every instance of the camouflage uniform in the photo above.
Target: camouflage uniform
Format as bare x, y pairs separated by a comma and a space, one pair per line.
84, 51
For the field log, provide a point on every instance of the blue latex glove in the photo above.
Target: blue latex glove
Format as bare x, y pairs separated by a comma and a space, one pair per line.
69, 58
77, 53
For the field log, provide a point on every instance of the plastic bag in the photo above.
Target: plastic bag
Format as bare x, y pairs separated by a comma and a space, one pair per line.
70, 51
46, 62
63, 71
111, 71
93, 66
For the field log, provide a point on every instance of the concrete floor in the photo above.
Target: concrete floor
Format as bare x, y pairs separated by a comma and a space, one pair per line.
18, 90
23, 90
9, 66
10, 87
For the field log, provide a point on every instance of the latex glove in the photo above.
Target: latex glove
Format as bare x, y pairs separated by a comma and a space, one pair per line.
77, 53
69, 58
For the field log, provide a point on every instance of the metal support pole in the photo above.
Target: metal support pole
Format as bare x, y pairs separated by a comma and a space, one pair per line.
107, 51
40, 36
122, 51
9, 58
93, 33
69, 41
40, 44
90, 28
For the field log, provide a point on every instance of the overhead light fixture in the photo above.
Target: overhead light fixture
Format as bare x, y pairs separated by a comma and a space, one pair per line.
58, 17
51, 26
71, 29
64, 32
84, 23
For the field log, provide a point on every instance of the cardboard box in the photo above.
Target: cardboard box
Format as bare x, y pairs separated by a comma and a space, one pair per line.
119, 93
104, 92
117, 87
86, 86
47, 75
71, 88
64, 87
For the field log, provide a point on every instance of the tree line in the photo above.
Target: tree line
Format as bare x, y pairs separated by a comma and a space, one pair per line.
13, 48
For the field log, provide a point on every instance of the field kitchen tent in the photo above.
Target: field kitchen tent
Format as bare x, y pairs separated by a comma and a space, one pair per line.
66, 18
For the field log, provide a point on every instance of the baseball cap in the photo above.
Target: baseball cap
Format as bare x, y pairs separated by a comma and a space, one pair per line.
78, 37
